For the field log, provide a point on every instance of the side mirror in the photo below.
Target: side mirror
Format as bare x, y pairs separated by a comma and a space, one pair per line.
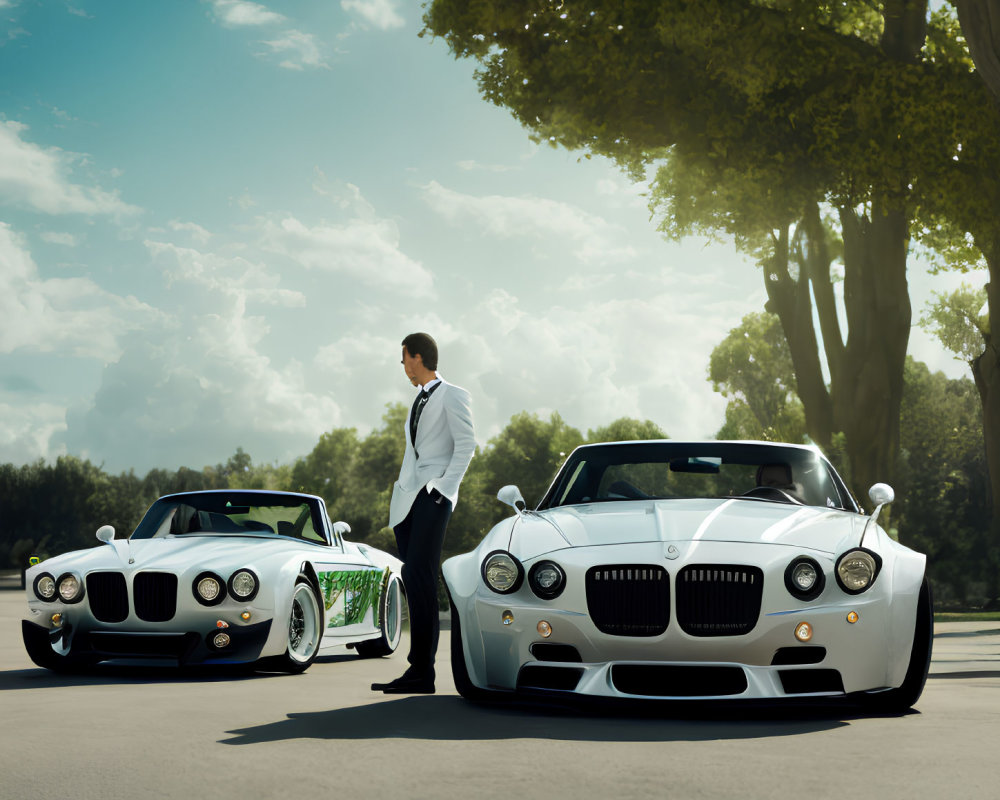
881, 494
106, 533
510, 495
340, 528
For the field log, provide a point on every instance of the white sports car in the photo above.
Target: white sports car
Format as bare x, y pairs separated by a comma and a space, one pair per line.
692, 571
216, 577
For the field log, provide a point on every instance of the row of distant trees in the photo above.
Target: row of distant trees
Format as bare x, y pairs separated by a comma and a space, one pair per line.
942, 506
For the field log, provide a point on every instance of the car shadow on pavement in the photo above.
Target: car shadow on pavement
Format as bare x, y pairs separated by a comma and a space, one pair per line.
448, 717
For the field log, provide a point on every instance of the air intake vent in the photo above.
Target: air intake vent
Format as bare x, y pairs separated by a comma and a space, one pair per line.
108, 596
155, 596
718, 599
629, 599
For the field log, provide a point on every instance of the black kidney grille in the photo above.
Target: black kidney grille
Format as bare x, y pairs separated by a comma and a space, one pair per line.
155, 596
629, 599
108, 596
718, 599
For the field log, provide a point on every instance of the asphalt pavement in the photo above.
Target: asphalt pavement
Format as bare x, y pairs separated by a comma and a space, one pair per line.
149, 732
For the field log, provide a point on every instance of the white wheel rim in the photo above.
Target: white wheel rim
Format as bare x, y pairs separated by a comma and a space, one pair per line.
303, 624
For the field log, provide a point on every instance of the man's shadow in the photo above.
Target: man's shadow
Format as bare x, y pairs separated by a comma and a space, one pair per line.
448, 717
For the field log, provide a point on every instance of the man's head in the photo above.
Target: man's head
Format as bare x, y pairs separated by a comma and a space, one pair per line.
420, 357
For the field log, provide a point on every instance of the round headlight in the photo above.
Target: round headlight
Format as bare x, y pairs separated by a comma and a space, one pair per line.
45, 587
804, 579
857, 569
547, 579
70, 588
209, 589
502, 572
243, 584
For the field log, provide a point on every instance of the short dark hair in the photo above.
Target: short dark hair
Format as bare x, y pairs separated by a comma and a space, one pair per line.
423, 345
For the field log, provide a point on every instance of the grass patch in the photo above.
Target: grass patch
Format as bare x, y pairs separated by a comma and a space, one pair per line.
971, 616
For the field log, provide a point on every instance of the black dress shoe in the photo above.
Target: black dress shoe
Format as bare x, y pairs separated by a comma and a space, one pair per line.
408, 683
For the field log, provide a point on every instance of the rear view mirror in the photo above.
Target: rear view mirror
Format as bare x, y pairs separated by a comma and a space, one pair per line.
106, 533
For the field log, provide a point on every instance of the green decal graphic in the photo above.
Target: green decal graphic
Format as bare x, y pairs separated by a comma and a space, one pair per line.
350, 593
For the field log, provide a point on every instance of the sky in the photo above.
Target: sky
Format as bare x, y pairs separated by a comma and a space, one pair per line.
219, 218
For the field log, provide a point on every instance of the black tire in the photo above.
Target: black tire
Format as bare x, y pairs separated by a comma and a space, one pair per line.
901, 699
459, 671
305, 631
391, 606
39, 647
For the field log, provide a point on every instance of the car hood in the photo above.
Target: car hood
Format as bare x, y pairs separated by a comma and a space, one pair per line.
710, 520
174, 554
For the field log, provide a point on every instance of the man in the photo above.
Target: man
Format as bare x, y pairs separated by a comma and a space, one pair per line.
440, 442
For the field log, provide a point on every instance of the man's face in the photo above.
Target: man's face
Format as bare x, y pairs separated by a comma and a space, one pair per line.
410, 364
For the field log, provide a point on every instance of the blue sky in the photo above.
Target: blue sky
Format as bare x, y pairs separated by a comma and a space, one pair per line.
219, 218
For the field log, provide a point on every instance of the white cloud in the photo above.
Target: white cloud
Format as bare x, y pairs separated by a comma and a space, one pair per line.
190, 394
54, 237
65, 315
594, 240
26, 430
366, 250
234, 277
36, 178
198, 233
381, 14
240, 13
302, 50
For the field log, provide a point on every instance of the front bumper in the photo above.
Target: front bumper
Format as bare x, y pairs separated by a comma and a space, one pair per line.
767, 663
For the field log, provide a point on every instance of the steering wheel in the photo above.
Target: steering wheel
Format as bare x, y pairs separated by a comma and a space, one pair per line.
772, 493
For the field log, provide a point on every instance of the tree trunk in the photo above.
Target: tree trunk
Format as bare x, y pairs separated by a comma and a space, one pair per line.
986, 372
868, 396
789, 299
980, 21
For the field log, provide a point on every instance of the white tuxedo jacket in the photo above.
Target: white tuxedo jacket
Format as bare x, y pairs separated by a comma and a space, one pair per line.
446, 443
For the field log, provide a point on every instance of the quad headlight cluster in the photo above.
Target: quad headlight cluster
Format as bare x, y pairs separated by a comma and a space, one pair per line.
210, 589
67, 587
504, 574
855, 571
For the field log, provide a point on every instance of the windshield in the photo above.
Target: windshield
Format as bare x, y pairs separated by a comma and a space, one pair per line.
234, 513
641, 471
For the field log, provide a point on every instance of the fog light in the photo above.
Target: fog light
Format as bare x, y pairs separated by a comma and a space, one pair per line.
544, 629
221, 640
57, 620
853, 617
219, 623
507, 618
245, 616
803, 631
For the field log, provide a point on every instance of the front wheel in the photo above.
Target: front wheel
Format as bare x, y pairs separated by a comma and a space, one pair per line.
896, 701
305, 631
459, 670
391, 605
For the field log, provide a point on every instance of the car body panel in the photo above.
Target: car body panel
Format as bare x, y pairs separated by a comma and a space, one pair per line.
869, 655
347, 578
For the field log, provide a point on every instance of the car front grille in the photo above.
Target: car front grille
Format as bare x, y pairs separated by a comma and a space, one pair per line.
108, 596
718, 599
629, 599
155, 596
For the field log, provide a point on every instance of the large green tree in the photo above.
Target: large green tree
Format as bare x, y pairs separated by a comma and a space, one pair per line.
758, 116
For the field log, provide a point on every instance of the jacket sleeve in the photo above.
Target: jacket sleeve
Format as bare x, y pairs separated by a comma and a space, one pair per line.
458, 412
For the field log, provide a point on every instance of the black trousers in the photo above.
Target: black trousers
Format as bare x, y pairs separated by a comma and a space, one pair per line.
419, 539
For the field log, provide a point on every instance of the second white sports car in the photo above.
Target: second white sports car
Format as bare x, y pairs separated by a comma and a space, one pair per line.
230, 577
